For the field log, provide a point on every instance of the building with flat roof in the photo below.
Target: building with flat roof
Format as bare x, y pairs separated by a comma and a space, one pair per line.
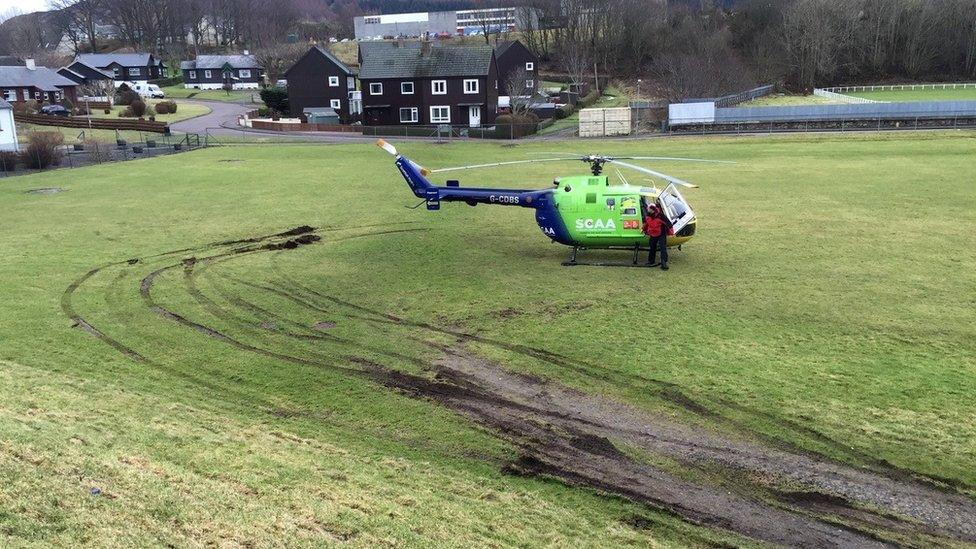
443, 23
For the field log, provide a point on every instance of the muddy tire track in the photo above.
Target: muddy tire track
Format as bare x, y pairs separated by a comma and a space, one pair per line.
774, 494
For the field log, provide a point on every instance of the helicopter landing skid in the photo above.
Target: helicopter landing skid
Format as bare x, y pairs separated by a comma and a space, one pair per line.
572, 261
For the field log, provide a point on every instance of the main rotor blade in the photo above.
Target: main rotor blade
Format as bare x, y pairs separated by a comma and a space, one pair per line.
665, 177
496, 164
673, 158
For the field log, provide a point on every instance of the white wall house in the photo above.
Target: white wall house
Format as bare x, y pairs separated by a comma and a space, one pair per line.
8, 130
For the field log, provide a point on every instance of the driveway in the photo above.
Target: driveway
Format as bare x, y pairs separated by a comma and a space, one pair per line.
221, 113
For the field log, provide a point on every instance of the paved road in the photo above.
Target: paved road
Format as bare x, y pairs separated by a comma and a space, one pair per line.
220, 113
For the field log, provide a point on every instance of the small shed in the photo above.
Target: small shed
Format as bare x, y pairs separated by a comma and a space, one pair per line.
8, 129
320, 115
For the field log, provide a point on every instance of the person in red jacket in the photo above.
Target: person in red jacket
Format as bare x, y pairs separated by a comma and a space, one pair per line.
657, 227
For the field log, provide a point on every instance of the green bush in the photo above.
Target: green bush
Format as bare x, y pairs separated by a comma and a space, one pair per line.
264, 112
275, 98
171, 81
125, 96
138, 107
509, 126
565, 111
589, 99
166, 107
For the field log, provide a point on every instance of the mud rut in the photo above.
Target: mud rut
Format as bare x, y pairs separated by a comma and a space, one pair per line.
767, 490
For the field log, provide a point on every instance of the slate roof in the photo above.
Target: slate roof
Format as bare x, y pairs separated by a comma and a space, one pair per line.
502, 47
89, 67
442, 61
42, 78
383, 46
218, 62
328, 54
106, 59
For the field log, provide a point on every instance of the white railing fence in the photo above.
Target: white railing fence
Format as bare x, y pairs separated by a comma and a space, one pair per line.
827, 94
902, 87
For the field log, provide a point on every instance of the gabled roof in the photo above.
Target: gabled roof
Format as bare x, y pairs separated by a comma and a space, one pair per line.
502, 47
80, 68
328, 55
441, 61
383, 46
100, 60
42, 78
218, 62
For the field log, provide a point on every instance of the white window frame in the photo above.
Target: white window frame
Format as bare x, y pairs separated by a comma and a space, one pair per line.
207, 74
379, 86
38, 95
529, 66
193, 75
115, 72
135, 71
244, 73
405, 92
530, 83
10, 95
440, 120
434, 86
476, 89
333, 81
335, 104
414, 115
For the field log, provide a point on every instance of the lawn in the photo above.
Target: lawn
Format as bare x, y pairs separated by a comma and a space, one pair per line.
821, 296
612, 97
77, 135
184, 110
959, 94
781, 100
234, 96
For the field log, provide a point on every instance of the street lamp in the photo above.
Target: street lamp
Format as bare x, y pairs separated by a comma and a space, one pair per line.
638, 88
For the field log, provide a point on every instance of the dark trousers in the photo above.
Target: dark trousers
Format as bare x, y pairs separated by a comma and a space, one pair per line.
658, 243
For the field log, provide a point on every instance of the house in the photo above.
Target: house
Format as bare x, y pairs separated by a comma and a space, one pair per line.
517, 68
213, 72
38, 83
8, 130
430, 85
126, 67
87, 76
319, 79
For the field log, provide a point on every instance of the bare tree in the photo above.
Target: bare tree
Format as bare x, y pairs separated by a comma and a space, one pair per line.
519, 93
78, 17
277, 59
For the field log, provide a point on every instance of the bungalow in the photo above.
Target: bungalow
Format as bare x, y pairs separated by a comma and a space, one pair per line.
455, 85
126, 67
319, 80
213, 72
8, 130
517, 68
38, 83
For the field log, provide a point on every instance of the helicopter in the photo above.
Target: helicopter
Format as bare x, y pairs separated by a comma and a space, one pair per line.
581, 211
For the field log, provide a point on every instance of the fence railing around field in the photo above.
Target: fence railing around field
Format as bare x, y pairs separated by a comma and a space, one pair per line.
902, 87
736, 98
697, 113
826, 94
93, 123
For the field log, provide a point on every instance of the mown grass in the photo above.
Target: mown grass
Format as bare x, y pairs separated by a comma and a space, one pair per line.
612, 97
830, 285
184, 110
233, 96
958, 94
781, 100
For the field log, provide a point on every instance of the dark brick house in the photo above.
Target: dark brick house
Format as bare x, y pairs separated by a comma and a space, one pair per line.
126, 67
429, 85
41, 84
515, 60
85, 75
319, 81
212, 72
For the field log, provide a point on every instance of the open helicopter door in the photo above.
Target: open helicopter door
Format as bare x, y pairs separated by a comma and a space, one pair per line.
675, 206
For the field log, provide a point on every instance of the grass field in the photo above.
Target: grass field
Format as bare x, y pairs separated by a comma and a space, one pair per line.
612, 97
234, 96
184, 110
76, 135
780, 100
959, 94
830, 288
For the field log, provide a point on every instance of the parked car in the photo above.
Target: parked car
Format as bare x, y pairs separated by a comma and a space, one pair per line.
55, 110
281, 83
146, 90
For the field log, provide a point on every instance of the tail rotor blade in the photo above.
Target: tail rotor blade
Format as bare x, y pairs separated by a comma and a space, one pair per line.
386, 147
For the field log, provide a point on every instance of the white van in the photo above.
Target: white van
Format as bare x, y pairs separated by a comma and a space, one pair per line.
146, 90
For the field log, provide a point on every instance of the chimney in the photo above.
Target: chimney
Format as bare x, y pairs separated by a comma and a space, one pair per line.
425, 46
29, 63
399, 42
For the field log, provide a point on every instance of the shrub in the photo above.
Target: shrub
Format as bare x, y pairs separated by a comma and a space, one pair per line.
138, 107
171, 81
275, 98
126, 96
589, 99
150, 110
166, 107
25, 107
172, 106
42, 150
8, 161
264, 112
508, 126
108, 111
68, 105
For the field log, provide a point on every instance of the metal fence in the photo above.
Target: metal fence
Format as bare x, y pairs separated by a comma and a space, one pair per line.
736, 98
841, 97
866, 111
